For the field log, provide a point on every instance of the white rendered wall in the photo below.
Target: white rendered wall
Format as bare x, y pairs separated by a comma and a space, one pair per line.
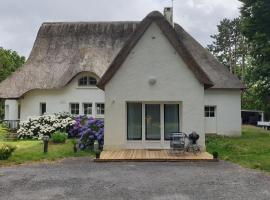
58, 100
11, 109
228, 110
152, 57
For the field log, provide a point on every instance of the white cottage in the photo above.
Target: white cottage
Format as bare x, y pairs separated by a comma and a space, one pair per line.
153, 77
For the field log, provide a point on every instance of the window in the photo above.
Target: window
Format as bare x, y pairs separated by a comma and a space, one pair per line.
171, 119
19, 111
100, 108
209, 111
42, 108
152, 121
87, 81
92, 81
87, 108
134, 121
83, 81
74, 108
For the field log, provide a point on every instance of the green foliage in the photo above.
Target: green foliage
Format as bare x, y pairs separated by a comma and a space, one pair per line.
32, 150
3, 132
6, 151
252, 149
59, 137
9, 62
256, 28
229, 46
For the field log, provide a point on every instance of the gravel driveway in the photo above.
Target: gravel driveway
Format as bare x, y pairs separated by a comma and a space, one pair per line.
81, 178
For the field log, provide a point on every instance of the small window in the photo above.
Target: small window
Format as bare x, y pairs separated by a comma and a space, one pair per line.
209, 111
87, 81
92, 81
100, 108
87, 108
74, 108
83, 81
19, 111
42, 108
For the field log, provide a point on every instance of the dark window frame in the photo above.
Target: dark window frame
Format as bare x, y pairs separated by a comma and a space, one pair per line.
137, 139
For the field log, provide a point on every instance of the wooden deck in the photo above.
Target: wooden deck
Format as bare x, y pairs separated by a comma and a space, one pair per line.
156, 155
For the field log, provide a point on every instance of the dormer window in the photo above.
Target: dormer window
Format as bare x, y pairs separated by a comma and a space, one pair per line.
87, 81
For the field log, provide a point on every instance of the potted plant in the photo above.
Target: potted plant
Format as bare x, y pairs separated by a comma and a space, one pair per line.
97, 154
74, 142
215, 155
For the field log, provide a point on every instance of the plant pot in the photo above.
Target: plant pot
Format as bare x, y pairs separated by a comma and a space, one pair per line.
75, 148
215, 155
97, 155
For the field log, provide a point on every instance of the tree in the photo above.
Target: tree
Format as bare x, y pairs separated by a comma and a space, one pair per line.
230, 46
9, 62
256, 28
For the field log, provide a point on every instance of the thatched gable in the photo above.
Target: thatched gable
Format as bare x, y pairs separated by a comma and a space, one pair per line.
205, 67
62, 50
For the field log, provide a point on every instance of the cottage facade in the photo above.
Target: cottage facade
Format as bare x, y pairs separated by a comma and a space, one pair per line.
153, 78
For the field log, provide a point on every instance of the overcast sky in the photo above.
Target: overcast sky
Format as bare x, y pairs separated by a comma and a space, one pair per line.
20, 20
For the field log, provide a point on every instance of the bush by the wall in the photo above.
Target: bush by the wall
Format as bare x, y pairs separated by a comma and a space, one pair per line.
37, 127
88, 130
59, 137
6, 151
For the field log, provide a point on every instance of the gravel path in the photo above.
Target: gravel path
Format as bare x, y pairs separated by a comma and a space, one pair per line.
80, 178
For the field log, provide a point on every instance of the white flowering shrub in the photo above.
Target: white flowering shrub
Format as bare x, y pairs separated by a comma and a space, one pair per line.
37, 127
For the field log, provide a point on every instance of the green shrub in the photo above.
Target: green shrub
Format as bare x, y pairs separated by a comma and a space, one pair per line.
6, 151
59, 137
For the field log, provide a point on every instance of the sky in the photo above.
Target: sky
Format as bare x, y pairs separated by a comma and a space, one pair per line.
20, 20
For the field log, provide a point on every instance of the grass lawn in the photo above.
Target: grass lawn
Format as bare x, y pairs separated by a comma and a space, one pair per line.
251, 150
32, 150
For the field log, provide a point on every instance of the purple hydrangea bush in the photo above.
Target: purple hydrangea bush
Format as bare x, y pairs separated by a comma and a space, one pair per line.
88, 130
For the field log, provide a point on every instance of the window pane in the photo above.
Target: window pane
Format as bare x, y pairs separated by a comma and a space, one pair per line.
42, 108
134, 121
92, 81
74, 108
100, 108
209, 111
83, 81
152, 121
212, 109
87, 108
171, 119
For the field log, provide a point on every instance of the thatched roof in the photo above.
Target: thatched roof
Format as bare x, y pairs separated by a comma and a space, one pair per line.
62, 50
205, 67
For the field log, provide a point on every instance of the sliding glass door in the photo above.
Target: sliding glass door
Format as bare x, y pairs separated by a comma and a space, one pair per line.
134, 121
171, 119
152, 121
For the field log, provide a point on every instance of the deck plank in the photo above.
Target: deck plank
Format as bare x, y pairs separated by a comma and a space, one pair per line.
151, 155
